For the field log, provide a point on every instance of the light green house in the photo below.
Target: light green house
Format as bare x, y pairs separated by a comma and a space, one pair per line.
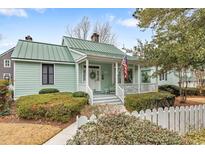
77, 65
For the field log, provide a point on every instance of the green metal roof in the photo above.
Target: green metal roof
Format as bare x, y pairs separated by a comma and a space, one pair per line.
41, 51
94, 48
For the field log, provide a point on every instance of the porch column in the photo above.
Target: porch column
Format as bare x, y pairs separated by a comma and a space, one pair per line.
134, 75
77, 76
87, 73
139, 77
116, 77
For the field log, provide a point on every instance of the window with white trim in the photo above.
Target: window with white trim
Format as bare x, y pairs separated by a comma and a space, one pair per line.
6, 76
7, 63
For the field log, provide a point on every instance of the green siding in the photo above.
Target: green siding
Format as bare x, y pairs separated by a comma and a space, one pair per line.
28, 78
106, 71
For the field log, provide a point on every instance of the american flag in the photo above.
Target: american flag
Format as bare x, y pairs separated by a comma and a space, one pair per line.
125, 66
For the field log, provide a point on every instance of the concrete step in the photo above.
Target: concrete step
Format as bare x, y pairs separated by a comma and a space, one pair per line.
107, 100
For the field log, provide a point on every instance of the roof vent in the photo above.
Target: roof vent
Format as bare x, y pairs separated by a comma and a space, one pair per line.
29, 38
95, 37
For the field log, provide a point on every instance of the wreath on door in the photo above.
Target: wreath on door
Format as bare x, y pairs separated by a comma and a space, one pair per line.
92, 75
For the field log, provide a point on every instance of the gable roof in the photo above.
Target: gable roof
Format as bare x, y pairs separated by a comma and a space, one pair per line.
94, 48
31, 50
4, 53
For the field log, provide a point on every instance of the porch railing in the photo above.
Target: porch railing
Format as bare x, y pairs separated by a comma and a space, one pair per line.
148, 87
120, 93
130, 88
90, 93
87, 89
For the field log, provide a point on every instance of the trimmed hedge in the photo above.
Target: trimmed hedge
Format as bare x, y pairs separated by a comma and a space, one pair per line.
58, 106
170, 88
175, 90
151, 100
48, 90
80, 94
124, 130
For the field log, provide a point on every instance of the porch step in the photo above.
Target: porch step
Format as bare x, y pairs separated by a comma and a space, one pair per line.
106, 99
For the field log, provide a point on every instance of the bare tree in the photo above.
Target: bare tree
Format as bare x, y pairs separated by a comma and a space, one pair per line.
105, 32
80, 30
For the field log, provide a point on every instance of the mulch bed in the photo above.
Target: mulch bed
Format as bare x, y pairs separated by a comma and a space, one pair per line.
13, 118
188, 102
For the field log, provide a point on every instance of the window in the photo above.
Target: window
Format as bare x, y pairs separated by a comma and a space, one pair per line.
145, 75
163, 76
7, 63
130, 76
47, 74
6, 76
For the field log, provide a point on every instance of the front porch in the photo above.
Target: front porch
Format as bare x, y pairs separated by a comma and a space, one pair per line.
104, 77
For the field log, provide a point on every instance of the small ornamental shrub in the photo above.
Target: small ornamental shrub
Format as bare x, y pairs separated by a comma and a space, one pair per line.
57, 106
5, 97
80, 94
151, 100
48, 90
170, 88
175, 90
124, 130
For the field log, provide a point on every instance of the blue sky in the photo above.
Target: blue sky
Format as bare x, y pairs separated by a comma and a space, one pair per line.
49, 25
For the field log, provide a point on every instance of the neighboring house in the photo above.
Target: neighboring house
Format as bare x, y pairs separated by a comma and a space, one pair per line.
76, 65
168, 78
6, 65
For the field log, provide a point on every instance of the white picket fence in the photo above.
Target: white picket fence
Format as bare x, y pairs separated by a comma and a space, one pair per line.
181, 120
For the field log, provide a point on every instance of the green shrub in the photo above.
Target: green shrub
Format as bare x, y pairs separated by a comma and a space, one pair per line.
148, 101
48, 90
80, 94
58, 106
170, 88
175, 90
5, 97
124, 130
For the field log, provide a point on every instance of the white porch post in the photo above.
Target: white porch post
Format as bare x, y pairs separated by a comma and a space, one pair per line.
134, 75
77, 76
87, 74
139, 78
116, 77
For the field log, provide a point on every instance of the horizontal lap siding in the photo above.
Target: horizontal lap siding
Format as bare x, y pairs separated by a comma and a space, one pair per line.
28, 79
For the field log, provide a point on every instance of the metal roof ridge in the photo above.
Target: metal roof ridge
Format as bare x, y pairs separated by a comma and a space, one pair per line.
42, 43
88, 40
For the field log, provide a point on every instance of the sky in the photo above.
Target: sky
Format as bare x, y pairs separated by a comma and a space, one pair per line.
49, 25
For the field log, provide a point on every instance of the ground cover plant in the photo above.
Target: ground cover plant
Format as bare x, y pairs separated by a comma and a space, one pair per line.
124, 129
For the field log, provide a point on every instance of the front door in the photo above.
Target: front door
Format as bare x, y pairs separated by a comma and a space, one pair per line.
94, 78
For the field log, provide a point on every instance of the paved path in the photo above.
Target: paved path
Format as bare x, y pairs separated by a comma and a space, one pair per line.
63, 136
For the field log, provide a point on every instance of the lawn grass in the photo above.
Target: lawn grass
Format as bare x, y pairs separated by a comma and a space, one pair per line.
22, 133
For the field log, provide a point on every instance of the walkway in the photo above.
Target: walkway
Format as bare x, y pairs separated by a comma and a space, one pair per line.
63, 136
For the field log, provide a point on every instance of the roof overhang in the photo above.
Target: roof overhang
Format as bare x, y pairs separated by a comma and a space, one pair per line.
42, 61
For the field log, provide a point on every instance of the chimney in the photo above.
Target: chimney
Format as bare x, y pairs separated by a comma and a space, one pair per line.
28, 38
95, 37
